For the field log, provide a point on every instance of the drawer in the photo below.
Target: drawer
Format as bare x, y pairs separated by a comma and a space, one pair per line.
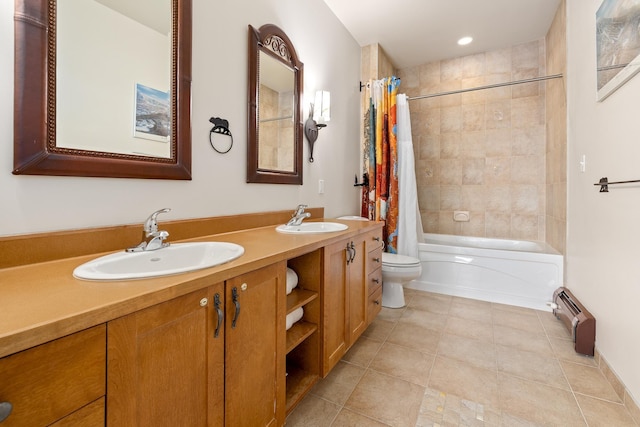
374, 240
91, 415
48, 382
374, 281
374, 259
374, 305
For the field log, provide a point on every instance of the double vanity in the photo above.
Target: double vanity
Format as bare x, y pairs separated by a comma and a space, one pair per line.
203, 347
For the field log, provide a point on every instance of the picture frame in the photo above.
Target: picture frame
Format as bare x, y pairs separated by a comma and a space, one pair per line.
152, 114
617, 44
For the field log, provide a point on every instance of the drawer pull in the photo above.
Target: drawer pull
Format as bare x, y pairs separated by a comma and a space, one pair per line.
376, 302
377, 238
376, 259
234, 295
375, 280
219, 313
5, 410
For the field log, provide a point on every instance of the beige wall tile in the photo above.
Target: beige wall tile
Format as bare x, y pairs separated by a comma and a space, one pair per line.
498, 61
498, 114
499, 198
498, 143
451, 119
450, 145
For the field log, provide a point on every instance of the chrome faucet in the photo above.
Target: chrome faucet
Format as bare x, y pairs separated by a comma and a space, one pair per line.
299, 215
152, 238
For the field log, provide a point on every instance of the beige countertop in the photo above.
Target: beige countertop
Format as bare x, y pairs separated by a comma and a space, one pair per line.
41, 302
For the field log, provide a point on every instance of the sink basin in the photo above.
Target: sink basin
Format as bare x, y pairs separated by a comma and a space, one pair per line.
312, 228
174, 259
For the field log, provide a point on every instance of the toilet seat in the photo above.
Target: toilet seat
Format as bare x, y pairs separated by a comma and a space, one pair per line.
399, 261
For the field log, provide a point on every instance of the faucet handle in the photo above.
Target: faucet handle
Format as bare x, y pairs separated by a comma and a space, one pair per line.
300, 209
151, 223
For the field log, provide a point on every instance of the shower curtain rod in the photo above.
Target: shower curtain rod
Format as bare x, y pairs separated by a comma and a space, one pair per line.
516, 82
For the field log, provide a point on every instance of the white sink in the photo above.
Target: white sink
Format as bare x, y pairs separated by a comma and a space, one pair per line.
174, 259
312, 228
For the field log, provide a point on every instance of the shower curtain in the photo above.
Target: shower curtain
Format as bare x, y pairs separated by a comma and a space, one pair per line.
410, 230
380, 198
391, 195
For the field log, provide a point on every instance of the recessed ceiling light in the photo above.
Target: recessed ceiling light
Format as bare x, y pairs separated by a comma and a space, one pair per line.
465, 41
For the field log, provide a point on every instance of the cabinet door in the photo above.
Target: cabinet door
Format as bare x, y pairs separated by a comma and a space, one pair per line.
334, 305
165, 367
255, 348
357, 289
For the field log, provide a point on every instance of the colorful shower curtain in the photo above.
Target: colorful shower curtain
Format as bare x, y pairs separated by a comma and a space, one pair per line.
380, 197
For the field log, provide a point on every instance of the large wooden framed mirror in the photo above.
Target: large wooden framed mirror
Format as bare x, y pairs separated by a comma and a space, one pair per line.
103, 88
274, 148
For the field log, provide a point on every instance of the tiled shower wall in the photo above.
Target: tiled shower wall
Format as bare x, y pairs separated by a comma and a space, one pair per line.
481, 151
556, 156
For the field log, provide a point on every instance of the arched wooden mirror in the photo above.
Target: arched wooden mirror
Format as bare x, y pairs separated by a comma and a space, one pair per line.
274, 148
103, 88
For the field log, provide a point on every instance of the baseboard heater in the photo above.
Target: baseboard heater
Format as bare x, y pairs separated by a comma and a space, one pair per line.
577, 319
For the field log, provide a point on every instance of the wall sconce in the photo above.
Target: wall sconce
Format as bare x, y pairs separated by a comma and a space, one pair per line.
319, 114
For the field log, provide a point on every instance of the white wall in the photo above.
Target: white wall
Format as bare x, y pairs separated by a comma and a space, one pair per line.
603, 237
331, 60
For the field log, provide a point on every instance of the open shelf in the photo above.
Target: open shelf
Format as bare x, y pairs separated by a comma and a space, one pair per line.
298, 333
298, 298
299, 382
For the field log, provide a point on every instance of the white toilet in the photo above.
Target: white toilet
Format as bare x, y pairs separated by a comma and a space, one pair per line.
397, 270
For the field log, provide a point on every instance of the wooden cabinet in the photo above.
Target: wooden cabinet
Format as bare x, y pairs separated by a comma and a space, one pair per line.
212, 357
62, 381
344, 298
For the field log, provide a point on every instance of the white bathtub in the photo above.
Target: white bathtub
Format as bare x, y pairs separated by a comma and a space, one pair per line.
514, 272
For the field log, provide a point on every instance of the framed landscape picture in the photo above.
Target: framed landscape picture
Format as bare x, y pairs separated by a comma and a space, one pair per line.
152, 114
617, 43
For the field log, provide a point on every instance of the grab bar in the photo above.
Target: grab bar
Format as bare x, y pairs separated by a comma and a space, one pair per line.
604, 184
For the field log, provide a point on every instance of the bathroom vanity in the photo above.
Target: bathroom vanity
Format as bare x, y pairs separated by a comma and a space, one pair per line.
208, 347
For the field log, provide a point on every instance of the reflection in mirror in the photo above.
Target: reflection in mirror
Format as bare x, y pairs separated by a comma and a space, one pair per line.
131, 114
274, 149
103, 88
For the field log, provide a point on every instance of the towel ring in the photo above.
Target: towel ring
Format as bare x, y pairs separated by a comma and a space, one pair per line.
220, 126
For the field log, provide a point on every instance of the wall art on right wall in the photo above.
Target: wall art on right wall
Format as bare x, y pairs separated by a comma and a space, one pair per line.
617, 43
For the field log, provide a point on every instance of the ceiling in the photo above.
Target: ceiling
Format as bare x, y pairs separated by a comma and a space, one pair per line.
413, 32
155, 14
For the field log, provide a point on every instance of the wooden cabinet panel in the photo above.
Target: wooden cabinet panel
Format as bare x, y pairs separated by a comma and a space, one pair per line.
357, 298
52, 380
165, 366
334, 300
255, 355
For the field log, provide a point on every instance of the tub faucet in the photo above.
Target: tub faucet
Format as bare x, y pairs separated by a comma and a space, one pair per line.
152, 238
299, 215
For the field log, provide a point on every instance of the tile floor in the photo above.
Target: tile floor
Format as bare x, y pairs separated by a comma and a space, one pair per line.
449, 361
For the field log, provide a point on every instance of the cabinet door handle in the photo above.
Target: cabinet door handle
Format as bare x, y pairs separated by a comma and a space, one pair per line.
348, 254
353, 248
234, 295
219, 313
5, 410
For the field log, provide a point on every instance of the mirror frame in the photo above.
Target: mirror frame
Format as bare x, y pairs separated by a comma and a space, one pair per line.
272, 41
34, 126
